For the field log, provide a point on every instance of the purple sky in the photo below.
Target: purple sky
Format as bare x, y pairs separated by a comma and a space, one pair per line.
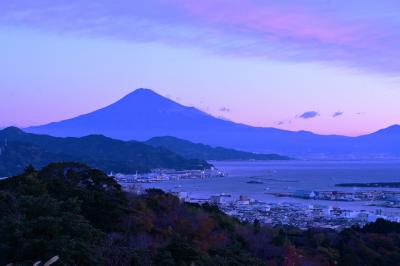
327, 66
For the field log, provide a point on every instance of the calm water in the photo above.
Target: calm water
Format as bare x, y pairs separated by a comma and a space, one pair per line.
287, 176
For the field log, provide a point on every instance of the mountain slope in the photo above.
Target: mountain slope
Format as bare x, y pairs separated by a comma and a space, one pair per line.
144, 114
20, 148
138, 115
16, 156
192, 150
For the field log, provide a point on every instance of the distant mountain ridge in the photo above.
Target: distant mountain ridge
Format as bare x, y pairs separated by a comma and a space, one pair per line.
393, 130
18, 149
144, 114
192, 150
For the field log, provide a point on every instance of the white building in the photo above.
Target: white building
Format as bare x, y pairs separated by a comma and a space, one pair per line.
222, 199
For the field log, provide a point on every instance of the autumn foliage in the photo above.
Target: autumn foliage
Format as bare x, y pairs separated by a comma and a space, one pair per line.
81, 215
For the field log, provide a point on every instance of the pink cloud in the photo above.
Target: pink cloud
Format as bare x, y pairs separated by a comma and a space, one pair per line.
270, 21
362, 36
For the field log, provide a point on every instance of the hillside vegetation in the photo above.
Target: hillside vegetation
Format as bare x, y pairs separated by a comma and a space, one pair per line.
81, 215
192, 150
18, 149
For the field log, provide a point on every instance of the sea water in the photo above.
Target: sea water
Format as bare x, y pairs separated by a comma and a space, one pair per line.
288, 176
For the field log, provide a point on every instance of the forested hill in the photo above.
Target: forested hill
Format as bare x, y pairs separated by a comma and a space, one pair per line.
18, 149
81, 215
192, 150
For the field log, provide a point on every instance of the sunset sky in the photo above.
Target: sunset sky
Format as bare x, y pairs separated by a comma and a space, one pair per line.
331, 67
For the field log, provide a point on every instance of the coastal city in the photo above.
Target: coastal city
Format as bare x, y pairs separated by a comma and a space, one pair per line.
158, 175
324, 213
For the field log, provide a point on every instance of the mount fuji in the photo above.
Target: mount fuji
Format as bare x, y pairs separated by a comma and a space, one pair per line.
144, 114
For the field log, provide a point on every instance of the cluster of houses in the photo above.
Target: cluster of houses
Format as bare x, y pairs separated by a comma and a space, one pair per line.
294, 214
283, 213
166, 175
372, 195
